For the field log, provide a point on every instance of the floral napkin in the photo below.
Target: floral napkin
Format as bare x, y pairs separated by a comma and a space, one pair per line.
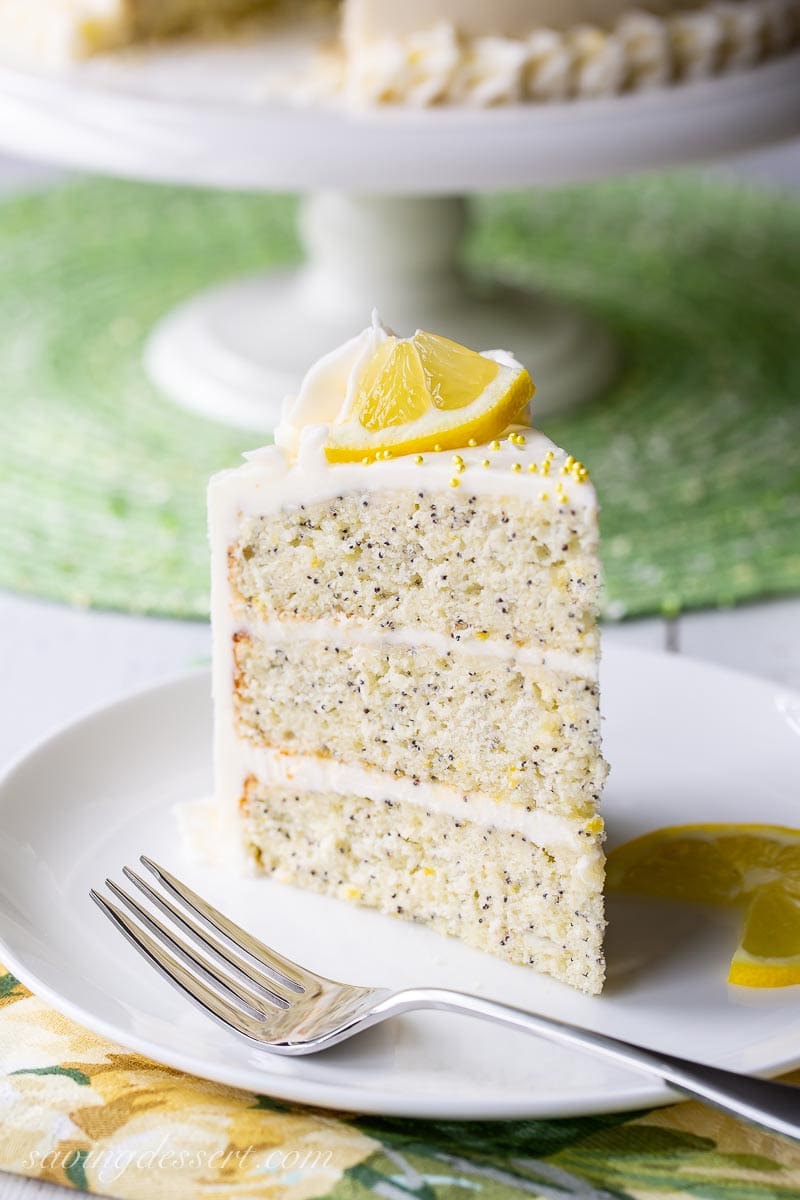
80, 1111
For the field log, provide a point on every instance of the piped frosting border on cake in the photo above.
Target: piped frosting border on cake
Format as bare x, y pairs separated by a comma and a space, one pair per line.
642, 50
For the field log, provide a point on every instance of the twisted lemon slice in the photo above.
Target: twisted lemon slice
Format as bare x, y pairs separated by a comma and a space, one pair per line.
427, 393
756, 866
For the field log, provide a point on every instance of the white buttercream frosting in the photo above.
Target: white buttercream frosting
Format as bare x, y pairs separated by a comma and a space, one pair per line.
646, 46
548, 70
277, 769
272, 478
417, 70
743, 32
697, 40
599, 63
328, 388
490, 70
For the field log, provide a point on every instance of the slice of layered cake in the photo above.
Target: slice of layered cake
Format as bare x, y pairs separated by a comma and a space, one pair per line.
406, 652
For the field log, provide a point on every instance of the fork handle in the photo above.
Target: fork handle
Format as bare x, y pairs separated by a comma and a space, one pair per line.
773, 1106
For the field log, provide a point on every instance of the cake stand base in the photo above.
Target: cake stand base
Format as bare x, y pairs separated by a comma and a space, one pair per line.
234, 352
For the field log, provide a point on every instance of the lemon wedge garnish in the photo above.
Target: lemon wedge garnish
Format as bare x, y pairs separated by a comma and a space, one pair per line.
424, 393
769, 952
756, 867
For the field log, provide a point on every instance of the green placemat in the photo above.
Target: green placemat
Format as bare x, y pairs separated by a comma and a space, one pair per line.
695, 450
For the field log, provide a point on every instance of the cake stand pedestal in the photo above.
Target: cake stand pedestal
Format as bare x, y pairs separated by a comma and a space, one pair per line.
240, 348
382, 224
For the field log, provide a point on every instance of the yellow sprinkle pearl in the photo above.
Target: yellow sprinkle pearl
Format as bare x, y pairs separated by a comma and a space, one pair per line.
437, 448
494, 445
544, 496
419, 460
455, 481
516, 466
365, 459
533, 468
472, 443
486, 463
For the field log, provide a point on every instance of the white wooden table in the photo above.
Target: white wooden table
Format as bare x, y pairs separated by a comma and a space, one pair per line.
56, 663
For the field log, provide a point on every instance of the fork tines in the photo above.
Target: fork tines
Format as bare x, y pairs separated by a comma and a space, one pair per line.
220, 966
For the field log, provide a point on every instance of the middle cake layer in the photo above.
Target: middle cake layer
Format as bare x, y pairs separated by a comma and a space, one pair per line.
469, 721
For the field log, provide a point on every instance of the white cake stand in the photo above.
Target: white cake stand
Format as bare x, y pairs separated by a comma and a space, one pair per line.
383, 219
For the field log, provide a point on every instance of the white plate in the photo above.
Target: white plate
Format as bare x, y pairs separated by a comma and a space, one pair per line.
687, 742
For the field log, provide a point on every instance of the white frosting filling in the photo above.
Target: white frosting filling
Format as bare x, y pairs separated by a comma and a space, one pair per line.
346, 632
278, 769
275, 768
328, 389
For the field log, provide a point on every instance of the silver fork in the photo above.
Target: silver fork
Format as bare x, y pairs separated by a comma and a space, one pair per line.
288, 1009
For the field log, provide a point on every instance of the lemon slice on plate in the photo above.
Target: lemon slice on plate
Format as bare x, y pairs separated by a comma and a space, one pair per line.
427, 393
769, 952
753, 866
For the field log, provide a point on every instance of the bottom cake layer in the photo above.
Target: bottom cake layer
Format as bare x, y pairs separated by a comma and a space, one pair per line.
491, 888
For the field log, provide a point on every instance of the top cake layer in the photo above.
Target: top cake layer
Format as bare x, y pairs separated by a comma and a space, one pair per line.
365, 544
